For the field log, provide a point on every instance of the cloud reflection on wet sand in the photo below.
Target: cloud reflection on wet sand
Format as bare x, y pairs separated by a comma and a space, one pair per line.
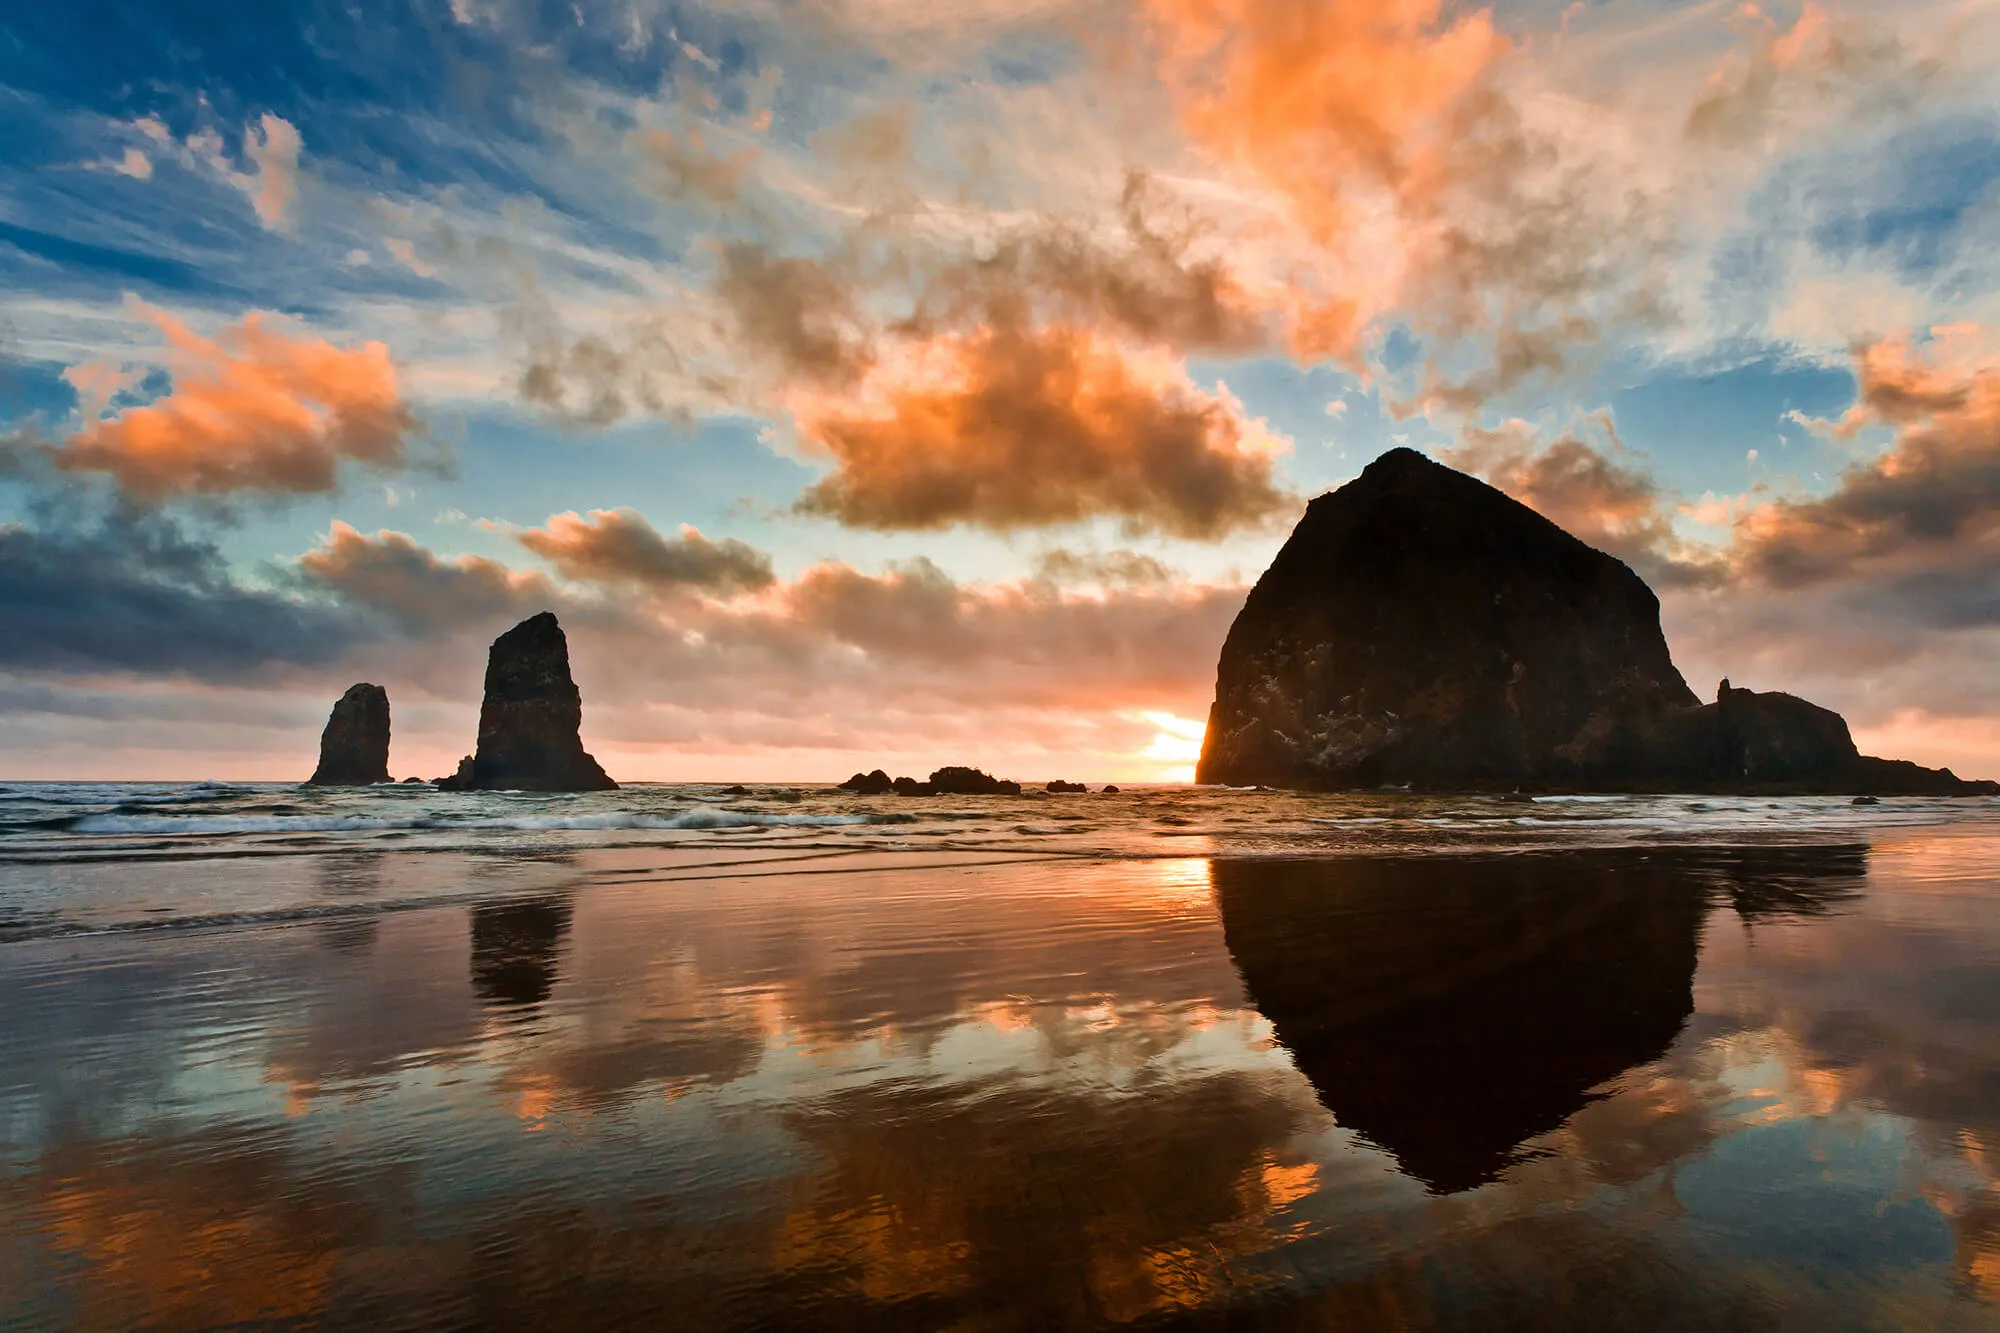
1038, 1096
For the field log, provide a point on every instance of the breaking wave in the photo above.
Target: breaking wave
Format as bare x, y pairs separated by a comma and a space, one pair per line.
224, 824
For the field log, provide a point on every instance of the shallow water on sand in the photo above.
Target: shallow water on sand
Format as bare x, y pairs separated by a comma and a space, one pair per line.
1166, 1058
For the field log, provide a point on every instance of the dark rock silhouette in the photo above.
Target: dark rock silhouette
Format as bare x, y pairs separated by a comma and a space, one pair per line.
1058, 785
354, 748
515, 947
957, 781
1421, 628
949, 781
530, 719
1110, 791
1450, 1018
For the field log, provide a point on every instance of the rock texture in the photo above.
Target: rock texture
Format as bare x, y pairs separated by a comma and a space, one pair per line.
354, 748
530, 719
1421, 628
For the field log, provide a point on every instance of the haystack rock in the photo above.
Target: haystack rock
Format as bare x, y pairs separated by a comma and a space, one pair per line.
1421, 628
354, 748
530, 720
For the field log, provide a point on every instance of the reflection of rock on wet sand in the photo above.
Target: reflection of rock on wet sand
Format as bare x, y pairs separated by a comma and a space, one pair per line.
1448, 1010
514, 948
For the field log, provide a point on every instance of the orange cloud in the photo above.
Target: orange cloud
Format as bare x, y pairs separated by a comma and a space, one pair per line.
1931, 501
618, 546
1312, 96
253, 409
1008, 427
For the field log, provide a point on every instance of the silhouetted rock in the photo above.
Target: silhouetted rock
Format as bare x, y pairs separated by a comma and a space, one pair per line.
408, 781
1867, 800
1067, 787
912, 787
956, 781
1110, 791
738, 790
1421, 628
354, 748
530, 719
876, 783
1449, 1018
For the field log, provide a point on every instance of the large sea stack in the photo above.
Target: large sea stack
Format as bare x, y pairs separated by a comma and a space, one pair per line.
1421, 628
530, 719
354, 748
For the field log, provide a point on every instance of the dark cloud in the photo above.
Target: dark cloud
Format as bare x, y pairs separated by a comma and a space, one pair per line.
1107, 568
133, 593
618, 546
1594, 490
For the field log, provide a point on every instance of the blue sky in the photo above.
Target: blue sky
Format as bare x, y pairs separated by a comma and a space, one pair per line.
1012, 334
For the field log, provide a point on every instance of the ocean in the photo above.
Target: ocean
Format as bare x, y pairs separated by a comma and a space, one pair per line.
676, 1056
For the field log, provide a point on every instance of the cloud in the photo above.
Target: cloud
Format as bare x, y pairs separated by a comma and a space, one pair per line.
800, 315
404, 253
1590, 490
1779, 68
680, 165
272, 145
252, 410
131, 593
1317, 97
1104, 568
1008, 428
619, 547
1927, 511
132, 162
424, 594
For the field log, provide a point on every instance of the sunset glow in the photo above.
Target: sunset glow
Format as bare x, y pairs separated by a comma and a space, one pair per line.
893, 385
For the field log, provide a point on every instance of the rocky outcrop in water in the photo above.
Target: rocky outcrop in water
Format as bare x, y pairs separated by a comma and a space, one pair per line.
1060, 787
354, 748
530, 719
949, 781
1422, 629
957, 781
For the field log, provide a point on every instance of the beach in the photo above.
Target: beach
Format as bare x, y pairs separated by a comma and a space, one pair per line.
1172, 1057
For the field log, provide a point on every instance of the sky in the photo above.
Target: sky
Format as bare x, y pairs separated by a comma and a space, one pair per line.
881, 383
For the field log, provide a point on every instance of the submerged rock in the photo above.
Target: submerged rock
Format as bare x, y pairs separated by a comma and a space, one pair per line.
530, 719
354, 748
1420, 628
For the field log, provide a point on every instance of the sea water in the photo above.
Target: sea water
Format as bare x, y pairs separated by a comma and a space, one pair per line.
679, 1057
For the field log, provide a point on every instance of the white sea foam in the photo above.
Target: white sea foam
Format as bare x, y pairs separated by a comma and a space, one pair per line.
224, 824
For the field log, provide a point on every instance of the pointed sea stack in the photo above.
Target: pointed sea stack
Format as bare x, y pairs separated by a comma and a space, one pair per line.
354, 748
1421, 628
530, 719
